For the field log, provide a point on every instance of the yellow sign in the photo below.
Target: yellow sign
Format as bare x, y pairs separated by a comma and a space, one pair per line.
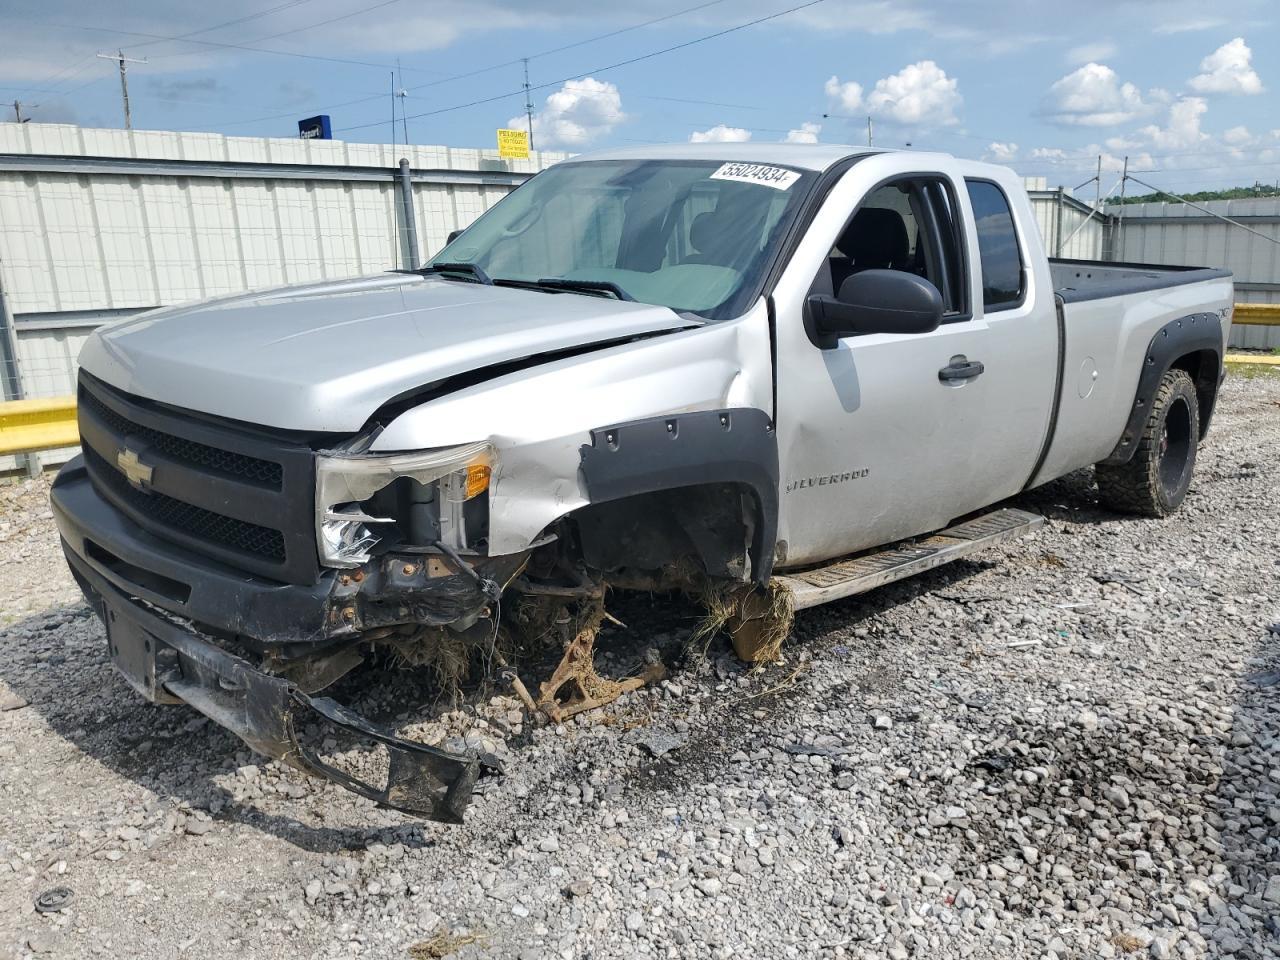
513, 144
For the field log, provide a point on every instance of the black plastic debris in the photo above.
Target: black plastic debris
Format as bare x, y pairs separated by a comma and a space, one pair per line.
995, 762
658, 742
54, 900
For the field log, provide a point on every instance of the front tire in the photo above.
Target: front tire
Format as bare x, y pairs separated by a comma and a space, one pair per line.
1155, 481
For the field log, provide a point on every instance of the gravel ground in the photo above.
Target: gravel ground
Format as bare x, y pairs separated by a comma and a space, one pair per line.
1067, 747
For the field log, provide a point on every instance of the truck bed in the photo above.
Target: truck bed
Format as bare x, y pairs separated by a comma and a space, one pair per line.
1109, 318
1075, 280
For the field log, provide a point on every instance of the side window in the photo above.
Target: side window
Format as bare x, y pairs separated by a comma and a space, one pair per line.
1002, 276
905, 225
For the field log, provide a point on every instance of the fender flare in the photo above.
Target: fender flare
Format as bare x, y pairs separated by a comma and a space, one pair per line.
735, 445
1196, 333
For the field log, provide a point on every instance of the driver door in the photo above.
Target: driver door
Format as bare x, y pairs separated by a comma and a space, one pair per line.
879, 440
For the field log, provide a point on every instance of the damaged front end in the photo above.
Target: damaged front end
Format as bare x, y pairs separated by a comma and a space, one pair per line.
168, 660
401, 568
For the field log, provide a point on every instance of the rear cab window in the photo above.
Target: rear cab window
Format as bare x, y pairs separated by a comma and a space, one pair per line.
1003, 277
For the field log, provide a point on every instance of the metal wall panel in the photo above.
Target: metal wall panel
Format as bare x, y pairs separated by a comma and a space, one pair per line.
161, 233
1050, 207
97, 224
1175, 233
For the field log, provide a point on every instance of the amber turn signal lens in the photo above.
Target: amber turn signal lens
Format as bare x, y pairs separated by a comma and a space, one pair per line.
477, 479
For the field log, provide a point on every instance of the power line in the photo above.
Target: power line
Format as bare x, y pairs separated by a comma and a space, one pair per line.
701, 103
325, 23
612, 66
230, 23
212, 43
88, 61
568, 46
498, 66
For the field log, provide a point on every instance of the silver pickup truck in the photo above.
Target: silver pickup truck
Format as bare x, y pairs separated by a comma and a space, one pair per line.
770, 376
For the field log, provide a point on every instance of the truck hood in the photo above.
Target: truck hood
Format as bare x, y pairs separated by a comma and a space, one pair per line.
324, 357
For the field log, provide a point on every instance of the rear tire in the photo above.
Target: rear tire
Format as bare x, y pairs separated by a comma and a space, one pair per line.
1155, 481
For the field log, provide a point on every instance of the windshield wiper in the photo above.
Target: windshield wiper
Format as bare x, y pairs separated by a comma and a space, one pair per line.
586, 286
473, 270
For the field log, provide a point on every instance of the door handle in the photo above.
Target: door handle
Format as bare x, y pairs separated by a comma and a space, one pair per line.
961, 368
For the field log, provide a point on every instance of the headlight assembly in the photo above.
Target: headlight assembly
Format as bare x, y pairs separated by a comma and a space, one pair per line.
415, 498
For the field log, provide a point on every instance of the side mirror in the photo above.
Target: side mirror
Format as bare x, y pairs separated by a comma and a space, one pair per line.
876, 301
453, 235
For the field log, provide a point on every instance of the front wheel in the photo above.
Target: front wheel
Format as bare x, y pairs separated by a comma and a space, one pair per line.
1155, 481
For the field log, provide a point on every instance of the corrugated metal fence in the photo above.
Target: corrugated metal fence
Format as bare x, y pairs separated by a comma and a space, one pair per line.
1175, 233
99, 224
96, 224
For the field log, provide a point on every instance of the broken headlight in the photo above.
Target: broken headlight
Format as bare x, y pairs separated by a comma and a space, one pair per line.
419, 499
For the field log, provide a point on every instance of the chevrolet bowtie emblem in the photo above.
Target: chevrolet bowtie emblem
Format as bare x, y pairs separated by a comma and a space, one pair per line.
139, 473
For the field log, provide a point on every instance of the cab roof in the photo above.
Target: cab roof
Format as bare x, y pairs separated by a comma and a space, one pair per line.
805, 156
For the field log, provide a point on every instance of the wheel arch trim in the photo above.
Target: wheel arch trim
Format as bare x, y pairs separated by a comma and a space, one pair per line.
1192, 343
734, 445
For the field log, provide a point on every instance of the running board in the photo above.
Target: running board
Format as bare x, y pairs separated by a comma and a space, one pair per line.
854, 575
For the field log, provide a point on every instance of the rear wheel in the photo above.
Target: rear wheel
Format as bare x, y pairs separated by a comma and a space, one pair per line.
1155, 481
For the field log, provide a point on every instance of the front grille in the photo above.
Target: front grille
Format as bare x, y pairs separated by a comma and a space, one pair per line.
189, 451
191, 520
239, 495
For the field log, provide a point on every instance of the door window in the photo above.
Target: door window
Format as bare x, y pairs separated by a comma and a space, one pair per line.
905, 225
1002, 274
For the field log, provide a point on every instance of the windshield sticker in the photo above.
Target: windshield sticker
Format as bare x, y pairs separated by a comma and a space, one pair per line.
776, 177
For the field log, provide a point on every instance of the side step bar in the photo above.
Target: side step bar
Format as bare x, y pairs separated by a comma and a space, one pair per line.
866, 571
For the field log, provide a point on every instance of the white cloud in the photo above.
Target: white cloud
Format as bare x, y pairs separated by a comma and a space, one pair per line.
1182, 129
1001, 152
1228, 70
720, 134
920, 93
845, 97
1093, 96
1237, 136
1189, 25
576, 114
805, 133
1091, 52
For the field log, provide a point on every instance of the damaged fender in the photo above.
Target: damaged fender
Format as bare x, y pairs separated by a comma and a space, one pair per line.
538, 420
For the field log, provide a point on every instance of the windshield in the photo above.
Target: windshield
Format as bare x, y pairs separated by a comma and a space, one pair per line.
692, 235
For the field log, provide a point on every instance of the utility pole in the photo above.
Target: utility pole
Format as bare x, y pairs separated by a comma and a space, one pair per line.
401, 92
868, 130
1097, 200
124, 80
528, 102
1118, 254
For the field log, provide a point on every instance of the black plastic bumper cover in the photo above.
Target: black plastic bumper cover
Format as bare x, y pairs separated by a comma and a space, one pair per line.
169, 664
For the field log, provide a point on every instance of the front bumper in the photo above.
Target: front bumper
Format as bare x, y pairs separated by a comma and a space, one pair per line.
171, 614
168, 663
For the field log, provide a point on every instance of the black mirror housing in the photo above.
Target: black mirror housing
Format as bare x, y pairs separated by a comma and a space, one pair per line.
876, 301
453, 235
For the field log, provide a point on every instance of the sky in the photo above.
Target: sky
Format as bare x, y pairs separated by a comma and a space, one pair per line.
1186, 90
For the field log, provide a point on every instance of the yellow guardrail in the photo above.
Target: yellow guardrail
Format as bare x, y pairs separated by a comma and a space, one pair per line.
1265, 359
30, 425
1256, 314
